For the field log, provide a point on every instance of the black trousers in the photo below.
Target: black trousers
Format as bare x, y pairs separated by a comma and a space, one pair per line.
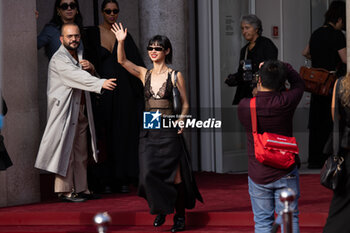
320, 128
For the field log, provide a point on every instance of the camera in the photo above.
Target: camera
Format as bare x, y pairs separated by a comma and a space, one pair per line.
247, 67
247, 76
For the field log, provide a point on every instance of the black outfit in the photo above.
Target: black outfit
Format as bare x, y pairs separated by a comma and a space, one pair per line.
5, 160
161, 152
324, 45
339, 211
263, 50
117, 114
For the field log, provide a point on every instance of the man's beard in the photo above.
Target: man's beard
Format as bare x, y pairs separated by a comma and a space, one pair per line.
68, 47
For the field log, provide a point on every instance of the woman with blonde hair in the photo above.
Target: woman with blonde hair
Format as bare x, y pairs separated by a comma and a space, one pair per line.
339, 211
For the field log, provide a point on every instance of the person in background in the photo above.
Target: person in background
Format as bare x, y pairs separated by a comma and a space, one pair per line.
65, 11
70, 128
275, 108
327, 50
339, 210
5, 160
117, 113
166, 179
257, 50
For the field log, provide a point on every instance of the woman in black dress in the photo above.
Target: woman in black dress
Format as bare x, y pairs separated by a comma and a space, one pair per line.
115, 112
339, 211
166, 179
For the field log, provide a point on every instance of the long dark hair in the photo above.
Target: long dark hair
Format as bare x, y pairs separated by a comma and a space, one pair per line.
335, 11
56, 19
105, 2
164, 42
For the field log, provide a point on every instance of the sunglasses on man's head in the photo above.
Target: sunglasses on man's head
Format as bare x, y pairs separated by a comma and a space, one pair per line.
150, 48
108, 12
71, 5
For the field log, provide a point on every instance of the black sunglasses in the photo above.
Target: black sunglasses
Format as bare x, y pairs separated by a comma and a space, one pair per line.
149, 48
71, 5
108, 11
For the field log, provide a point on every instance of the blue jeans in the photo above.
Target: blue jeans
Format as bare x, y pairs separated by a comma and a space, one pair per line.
265, 201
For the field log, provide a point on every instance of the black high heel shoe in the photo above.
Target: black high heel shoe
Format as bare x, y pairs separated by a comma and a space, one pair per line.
179, 223
159, 220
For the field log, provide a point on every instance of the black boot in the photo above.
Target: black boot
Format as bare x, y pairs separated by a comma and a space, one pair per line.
159, 220
179, 217
179, 223
180, 199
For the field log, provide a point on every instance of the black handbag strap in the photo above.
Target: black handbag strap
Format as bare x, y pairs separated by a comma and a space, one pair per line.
246, 53
336, 147
175, 77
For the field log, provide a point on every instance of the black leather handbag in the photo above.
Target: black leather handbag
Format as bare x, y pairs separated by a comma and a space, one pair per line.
331, 173
333, 169
177, 104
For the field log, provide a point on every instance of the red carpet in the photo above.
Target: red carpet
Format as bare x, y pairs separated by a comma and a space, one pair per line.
226, 209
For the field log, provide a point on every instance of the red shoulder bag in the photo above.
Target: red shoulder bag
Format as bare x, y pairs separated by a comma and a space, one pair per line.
271, 149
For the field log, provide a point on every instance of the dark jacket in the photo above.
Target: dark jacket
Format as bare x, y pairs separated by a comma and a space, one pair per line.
274, 112
263, 50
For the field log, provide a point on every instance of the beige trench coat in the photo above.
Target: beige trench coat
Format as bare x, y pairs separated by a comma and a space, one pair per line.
66, 81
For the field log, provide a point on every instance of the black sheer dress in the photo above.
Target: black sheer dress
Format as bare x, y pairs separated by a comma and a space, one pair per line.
161, 152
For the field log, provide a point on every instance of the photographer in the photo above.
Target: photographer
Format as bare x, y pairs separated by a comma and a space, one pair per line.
258, 49
275, 109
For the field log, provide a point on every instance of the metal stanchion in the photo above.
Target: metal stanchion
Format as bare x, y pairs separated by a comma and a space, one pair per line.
101, 221
287, 197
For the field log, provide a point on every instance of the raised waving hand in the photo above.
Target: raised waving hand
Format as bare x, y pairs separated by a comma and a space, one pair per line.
119, 32
120, 35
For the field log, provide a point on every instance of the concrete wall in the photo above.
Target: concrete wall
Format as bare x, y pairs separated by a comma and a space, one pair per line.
169, 18
20, 183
